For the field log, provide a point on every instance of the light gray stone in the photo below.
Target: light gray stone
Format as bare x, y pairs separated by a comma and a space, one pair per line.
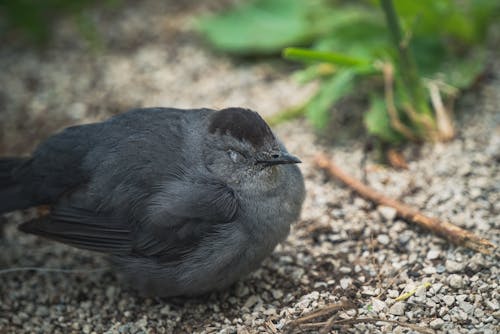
492, 304
448, 300
387, 212
383, 239
378, 305
398, 308
277, 294
437, 323
345, 282
466, 307
456, 281
454, 266
433, 254
251, 301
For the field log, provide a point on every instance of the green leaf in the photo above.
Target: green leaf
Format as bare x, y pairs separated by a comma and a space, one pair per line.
265, 26
323, 56
465, 21
461, 72
313, 72
362, 36
331, 90
378, 123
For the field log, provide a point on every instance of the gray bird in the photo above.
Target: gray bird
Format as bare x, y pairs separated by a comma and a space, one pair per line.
184, 201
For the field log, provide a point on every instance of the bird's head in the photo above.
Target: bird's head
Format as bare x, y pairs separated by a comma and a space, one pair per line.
241, 147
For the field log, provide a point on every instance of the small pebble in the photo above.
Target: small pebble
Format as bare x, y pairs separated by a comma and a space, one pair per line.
448, 300
429, 270
251, 301
383, 239
466, 307
492, 304
420, 291
477, 262
388, 213
368, 291
398, 308
433, 254
392, 293
456, 281
436, 323
454, 267
345, 282
436, 287
440, 268
86, 329
277, 294
378, 305
479, 313
345, 270
165, 310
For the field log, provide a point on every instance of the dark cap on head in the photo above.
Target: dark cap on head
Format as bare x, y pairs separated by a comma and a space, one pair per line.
243, 124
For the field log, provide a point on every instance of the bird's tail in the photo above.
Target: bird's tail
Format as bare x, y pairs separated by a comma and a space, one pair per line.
11, 196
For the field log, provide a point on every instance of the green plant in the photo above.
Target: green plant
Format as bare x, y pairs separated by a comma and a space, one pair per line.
422, 53
34, 19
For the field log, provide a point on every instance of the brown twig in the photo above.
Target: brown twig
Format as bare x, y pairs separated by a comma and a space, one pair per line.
445, 229
396, 123
396, 159
344, 305
351, 321
443, 118
325, 326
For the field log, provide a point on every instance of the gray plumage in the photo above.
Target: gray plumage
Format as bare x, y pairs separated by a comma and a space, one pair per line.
184, 201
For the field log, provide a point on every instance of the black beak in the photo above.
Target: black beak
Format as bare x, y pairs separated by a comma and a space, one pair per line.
280, 158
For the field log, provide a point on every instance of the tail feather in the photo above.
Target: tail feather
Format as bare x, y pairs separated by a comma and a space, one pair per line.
11, 195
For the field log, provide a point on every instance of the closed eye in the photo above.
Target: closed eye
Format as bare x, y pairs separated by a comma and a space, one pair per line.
236, 156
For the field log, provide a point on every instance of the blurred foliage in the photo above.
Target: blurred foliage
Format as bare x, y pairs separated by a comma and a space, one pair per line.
418, 57
34, 19
266, 27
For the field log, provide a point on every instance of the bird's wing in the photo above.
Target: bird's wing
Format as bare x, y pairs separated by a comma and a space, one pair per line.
180, 215
165, 226
70, 158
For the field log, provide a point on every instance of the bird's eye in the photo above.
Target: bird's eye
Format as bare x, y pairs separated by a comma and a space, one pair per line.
235, 156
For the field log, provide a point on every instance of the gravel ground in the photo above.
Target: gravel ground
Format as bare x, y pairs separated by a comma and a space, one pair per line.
343, 249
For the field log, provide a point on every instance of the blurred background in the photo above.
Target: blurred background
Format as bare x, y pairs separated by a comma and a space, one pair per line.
67, 62
391, 72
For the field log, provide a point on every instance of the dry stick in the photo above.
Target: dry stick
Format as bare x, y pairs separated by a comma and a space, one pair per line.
326, 326
443, 119
423, 119
365, 320
345, 305
396, 123
445, 229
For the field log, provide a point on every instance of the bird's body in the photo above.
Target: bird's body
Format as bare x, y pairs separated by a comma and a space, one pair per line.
185, 201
